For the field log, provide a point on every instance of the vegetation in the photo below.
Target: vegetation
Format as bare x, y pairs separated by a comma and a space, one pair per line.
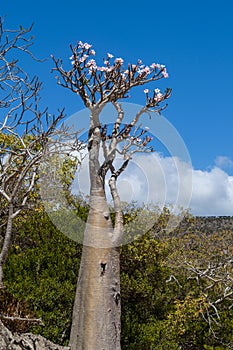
176, 287
162, 306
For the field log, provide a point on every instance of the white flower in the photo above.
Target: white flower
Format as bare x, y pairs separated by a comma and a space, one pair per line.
159, 96
91, 63
146, 70
146, 91
83, 58
165, 73
119, 60
87, 46
157, 91
146, 128
102, 69
92, 52
110, 55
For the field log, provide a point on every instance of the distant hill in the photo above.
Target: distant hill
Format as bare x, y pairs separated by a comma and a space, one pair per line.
205, 224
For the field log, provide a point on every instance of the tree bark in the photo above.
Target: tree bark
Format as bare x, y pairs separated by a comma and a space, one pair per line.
6, 242
96, 313
97, 307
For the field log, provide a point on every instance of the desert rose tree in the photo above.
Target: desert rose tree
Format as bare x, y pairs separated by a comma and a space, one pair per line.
97, 309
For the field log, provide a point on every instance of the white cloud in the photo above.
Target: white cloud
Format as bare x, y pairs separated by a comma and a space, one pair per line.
212, 192
224, 162
167, 180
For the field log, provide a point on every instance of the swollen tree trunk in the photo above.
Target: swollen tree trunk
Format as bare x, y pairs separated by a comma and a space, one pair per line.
96, 313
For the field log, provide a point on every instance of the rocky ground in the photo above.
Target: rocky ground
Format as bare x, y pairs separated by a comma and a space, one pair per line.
27, 341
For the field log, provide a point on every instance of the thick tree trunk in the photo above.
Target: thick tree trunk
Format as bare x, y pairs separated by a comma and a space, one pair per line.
96, 313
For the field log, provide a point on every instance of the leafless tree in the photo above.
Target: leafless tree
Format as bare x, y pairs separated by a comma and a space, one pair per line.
27, 133
205, 258
96, 314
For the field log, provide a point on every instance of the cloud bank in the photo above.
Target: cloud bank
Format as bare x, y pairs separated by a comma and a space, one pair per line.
169, 181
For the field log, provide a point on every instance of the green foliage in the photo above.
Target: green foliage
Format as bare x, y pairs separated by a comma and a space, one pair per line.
158, 312
145, 294
42, 271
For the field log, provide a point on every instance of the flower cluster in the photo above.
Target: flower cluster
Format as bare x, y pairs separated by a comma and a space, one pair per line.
84, 50
119, 61
111, 80
81, 53
157, 97
153, 101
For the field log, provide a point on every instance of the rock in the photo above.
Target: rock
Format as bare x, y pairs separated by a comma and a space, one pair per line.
27, 341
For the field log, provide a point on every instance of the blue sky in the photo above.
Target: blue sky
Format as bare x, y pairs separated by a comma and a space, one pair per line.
194, 39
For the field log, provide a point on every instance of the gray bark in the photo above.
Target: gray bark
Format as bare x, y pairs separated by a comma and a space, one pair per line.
27, 341
96, 312
6, 242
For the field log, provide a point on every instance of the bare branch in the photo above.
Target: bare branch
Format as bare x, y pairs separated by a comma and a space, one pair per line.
24, 319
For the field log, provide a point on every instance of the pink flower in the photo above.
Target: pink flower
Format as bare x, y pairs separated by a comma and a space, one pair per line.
91, 63
102, 69
153, 65
164, 72
119, 61
158, 97
146, 91
92, 52
157, 65
83, 58
87, 46
146, 70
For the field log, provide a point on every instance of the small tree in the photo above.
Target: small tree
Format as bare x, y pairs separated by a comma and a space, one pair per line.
96, 314
26, 132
